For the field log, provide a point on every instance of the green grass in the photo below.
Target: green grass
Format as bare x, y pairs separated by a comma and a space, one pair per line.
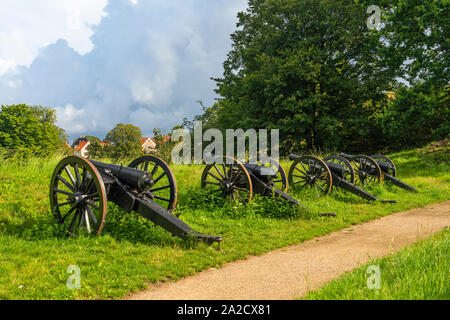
132, 252
420, 271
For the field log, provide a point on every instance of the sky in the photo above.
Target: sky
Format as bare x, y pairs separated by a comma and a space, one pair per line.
103, 62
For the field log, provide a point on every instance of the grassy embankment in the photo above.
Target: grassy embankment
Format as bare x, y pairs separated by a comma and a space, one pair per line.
34, 255
420, 271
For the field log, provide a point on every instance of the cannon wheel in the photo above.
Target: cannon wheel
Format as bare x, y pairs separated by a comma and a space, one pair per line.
229, 180
310, 171
163, 190
392, 168
348, 173
367, 170
280, 181
78, 196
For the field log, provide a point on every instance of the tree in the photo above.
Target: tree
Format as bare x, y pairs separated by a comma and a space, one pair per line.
164, 145
124, 142
417, 115
93, 139
30, 130
302, 66
416, 32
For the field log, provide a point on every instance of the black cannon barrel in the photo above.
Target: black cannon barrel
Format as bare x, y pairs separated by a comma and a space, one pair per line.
346, 155
336, 167
129, 176
294, 157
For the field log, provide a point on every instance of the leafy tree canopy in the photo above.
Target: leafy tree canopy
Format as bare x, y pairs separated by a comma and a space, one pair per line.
299, 66
30, 130
124, 141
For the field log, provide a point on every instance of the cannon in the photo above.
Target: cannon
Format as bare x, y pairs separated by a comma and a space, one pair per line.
322, 174
80, 190
238, 181
376, 168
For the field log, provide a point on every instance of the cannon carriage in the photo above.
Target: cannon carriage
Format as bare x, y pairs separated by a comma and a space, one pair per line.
239, 181
80, 190
320, 175
376, 168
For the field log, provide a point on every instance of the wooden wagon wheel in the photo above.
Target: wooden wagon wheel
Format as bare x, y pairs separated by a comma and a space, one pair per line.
392, 170
345, 171
280, 181
229, 180
163, 186
310, 172
78, 196
367, 170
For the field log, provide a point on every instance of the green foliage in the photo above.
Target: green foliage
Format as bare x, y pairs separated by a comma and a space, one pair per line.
93, 139
97, 151
29, 131
417, 33
163, 146
302, 67
124, 142
417, 115
314, 70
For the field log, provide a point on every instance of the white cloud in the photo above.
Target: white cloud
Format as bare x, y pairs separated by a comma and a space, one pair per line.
26, 26
6, 65
149, 61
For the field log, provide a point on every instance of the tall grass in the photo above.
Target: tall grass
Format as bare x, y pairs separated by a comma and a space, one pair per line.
420, 271
35, 254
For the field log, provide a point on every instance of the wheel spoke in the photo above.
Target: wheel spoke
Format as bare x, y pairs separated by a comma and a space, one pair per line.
218, 171
160, 188
88, 186
72, 179
225, 170
92, 204
63, 204
239, 188
72, 223
86, 220
238, 174
214, 176
77, 174
159, 178
161, 198
321, 188
213, 183
67, 214
68, 185
155, 168
63, 192
91, 214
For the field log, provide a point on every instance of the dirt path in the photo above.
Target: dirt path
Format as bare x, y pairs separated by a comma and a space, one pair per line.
290, 272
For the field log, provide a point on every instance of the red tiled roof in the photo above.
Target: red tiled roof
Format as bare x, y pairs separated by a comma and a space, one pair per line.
81, 145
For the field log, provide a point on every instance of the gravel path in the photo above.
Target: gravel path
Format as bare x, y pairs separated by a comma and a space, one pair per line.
290, 272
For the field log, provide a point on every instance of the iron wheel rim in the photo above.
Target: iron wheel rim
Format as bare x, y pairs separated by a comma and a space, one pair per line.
367, 171
312, 172
78, 195
231, 181
382, 158
164, 187
349, 173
